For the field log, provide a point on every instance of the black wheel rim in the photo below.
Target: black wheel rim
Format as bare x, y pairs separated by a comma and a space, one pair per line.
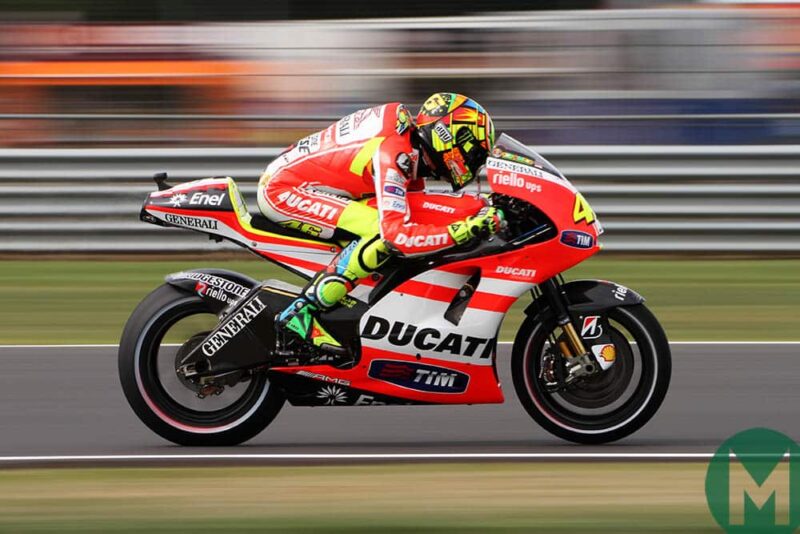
609, 386
167, 408
585, 420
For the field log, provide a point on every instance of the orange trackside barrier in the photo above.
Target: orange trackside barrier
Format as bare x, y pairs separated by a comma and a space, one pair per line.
171, 72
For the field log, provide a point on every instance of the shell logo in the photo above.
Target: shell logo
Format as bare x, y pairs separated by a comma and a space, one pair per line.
608, 353
605, 355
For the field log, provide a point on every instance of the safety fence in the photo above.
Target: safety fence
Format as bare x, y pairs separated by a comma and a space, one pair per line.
649, 198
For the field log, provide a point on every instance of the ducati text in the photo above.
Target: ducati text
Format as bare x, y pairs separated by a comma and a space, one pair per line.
516, 271
319, 209
427, 339
438, 207
434, 240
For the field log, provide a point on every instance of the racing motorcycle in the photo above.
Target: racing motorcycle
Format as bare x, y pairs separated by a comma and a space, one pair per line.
201, 363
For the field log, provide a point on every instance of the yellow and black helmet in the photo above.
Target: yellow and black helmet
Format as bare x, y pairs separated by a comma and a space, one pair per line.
456, 134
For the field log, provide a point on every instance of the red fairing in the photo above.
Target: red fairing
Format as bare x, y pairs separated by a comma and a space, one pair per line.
562, 204
482, 388
406, 329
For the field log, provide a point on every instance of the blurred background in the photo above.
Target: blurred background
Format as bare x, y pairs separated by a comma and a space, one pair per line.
191, 73
677, 120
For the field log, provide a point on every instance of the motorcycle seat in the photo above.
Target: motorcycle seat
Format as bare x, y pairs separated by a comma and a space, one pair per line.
262, 223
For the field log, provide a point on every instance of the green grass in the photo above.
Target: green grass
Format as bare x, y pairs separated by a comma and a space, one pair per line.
408, 498
88, 301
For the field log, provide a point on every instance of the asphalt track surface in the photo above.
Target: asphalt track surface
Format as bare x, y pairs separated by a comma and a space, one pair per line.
67, 401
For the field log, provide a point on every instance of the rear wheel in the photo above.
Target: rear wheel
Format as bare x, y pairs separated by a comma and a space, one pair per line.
165, 326
607, 406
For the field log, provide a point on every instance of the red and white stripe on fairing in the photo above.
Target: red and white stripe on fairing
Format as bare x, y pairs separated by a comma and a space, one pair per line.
304, 257
441, 284
492, 294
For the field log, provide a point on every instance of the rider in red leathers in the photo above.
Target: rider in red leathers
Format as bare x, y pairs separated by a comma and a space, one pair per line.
360, 180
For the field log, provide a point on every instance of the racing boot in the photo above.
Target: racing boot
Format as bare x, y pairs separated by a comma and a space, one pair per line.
327, 289
300, 318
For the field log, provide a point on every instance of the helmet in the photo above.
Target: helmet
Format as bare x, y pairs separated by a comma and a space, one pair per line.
456, 135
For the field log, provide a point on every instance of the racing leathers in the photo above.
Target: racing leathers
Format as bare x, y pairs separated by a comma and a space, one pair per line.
357, 181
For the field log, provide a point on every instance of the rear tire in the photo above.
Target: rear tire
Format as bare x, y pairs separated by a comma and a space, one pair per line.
150, 400
578, 415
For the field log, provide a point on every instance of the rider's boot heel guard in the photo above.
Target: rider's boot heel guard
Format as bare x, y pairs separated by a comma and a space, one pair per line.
245, 337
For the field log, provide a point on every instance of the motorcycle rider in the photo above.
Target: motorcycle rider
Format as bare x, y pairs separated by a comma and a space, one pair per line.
361, 180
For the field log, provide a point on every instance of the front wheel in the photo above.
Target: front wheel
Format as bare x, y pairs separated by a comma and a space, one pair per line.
607, 406
165, 326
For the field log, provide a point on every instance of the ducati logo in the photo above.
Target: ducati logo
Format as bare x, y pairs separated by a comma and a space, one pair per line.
421, 240
438, 207
323, 211
592, 328
516, 271
427, 339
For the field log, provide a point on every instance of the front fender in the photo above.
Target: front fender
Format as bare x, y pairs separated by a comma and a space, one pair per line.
218, 287
589, 296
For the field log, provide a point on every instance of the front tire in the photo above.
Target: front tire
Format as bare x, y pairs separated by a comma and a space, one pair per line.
598, 410
171, 415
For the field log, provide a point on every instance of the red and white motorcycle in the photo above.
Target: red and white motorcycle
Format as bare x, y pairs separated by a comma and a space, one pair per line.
201, 363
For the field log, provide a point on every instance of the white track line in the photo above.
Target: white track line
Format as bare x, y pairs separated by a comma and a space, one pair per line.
566, 456
369, 456
734, 342
89, 346
505, 343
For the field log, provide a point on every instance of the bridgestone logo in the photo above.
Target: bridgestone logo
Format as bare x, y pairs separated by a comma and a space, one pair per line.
215, 281
191, 222
233, 326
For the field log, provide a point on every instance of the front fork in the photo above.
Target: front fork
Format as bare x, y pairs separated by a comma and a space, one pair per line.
578, 361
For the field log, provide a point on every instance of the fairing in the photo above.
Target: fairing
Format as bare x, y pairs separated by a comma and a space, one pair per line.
422, 354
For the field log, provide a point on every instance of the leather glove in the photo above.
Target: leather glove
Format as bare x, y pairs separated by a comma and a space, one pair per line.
488, 221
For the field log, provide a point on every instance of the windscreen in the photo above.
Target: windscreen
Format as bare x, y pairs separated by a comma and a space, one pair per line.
510, 149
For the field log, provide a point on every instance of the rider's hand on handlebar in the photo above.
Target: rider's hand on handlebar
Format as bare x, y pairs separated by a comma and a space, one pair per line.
488, 221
